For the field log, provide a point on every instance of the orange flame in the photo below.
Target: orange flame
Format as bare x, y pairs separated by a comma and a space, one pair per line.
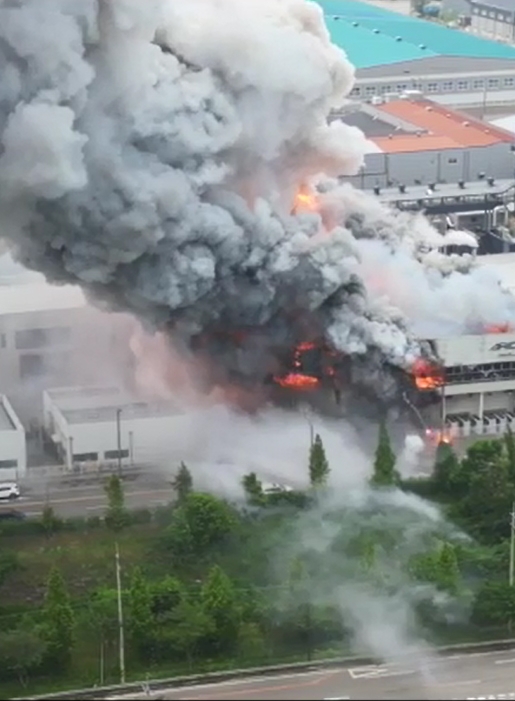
437, 436
498, 328
296, 380
305, 200
427, 375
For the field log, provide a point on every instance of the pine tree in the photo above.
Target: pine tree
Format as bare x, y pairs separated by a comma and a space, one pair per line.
253, 488
448, 570
220, 604
183, 483
117, 516
385, 474
141, 619
58, 622
318, 465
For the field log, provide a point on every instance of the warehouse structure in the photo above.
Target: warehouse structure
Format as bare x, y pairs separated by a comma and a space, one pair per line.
393, 53
13, 451
92, 427
494, 19
419, 142
51, 336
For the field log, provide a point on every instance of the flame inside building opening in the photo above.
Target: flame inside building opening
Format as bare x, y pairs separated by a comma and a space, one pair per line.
153, 155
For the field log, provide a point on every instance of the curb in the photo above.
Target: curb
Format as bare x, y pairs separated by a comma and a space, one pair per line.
218, 677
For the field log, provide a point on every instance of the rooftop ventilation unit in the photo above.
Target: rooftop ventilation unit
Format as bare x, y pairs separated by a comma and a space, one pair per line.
491, 181
377, 190
481, 176
402, 189
461, 184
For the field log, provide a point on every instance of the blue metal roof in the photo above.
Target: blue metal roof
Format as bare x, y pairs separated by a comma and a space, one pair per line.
372, 36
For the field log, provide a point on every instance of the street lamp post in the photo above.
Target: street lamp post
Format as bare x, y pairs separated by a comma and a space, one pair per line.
119, 440
512, 545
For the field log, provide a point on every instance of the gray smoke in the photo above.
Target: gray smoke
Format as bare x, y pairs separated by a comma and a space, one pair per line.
150, 151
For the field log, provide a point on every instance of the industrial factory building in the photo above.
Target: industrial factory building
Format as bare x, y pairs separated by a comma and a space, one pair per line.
51, 336
92, 427
494, 19
13, 452
418, 142
394, 54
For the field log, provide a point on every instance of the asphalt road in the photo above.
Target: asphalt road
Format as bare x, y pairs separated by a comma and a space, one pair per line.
460, 676
87, 497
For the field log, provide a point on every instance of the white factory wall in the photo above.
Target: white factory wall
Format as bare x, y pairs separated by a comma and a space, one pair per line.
149, 440
77, 346
12, 447
492, 24
450, 165
476, 350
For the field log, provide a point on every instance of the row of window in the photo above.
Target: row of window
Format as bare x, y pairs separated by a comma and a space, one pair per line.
4, 464
486, 372
500, 16
434, 87
93, 457
34, 339
34, 366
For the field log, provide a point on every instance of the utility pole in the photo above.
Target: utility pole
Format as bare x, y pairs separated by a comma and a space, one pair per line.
119, 440
512, 544
120, 615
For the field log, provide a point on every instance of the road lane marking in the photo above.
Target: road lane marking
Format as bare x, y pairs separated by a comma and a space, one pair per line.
510, 661
92, 497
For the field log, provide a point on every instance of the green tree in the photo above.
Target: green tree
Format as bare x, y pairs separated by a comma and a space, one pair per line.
189, 625
251, 643
385, 474
494, 604
117, 516
141, 620
300, 607
21, 652
318, 465
58, 622
49, 521
509, 444
448, 570
220, 604
446, 468
102, 615
200, 524
183, 483
253, 489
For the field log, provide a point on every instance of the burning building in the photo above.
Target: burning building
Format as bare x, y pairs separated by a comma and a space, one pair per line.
177, 161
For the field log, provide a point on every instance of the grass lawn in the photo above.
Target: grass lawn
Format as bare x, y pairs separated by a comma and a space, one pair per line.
86, 560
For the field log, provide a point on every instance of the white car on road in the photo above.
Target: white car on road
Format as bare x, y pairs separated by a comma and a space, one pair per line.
9, 490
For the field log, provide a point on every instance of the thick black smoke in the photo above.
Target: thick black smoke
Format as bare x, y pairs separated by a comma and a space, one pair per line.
150, 151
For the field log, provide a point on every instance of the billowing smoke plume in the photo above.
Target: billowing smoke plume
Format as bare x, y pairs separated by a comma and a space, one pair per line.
151, 152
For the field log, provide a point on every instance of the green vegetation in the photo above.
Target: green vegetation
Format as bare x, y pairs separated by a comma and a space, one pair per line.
287, 575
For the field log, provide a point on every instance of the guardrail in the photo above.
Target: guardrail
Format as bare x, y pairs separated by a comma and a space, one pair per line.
217, 677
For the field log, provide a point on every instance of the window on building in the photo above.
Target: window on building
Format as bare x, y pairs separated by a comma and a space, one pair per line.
493, 82
370, 89
32, 366
447, 86
478, 84
32, 339
432, 87
355, 91
85, 457
452, 161
509, 82
4, 464
462, 85
401, 87
113, 454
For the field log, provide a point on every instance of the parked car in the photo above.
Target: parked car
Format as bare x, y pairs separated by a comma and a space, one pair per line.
12, 516
9, 490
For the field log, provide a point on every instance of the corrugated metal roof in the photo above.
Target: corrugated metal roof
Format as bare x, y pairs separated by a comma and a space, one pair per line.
372, 36
444, 128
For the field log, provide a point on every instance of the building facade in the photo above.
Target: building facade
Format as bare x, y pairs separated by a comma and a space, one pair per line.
494, 19
13, 451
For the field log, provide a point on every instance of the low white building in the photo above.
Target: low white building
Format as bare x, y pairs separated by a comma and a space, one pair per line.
93, 426
51, 336
13, 451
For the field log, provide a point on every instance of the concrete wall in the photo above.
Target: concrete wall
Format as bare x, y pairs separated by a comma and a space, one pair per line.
475, 350
448, 166
156, 440
493, 24
12, 446
95, 348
